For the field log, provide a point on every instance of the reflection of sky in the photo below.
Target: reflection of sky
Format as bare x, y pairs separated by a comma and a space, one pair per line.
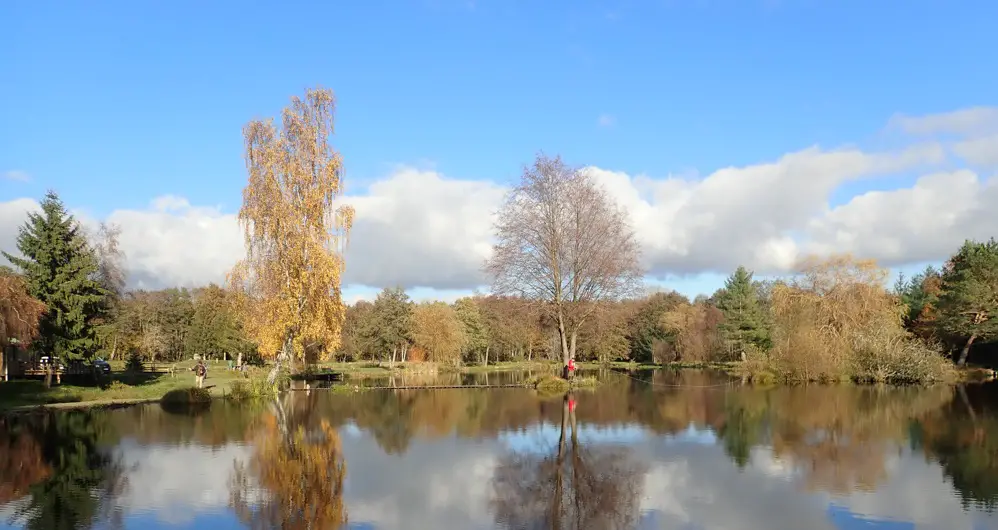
445, 484
842, 518
544, 436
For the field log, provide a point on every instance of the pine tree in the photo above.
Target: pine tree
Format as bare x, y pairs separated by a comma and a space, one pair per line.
745, 323
968, 305
61, 270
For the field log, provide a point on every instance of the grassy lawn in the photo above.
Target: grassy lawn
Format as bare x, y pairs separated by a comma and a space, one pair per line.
374, 368
122, 387
361, 369
125, 387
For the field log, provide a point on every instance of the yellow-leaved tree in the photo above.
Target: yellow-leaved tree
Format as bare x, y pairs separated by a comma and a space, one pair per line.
294, 232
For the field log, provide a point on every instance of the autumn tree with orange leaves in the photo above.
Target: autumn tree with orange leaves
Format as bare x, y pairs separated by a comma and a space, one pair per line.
438, 331
19, 314
294, 231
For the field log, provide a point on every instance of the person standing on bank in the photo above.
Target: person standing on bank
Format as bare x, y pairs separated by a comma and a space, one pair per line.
200, 370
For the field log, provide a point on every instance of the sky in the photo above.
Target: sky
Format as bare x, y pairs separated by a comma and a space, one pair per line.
750, 132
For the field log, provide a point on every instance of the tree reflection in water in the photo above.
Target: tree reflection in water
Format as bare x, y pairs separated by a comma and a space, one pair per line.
569, 486
297, 470
963, 438
57, 459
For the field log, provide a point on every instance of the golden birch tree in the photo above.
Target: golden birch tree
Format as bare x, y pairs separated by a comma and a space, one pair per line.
294, 230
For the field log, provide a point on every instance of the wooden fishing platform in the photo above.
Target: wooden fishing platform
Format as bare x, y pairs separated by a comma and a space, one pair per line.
320, 376
413, 387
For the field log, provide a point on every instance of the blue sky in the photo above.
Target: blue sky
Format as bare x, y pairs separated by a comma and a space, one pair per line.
117, 103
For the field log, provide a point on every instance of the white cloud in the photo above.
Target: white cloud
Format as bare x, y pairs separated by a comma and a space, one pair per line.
972, 121
178, 494
12, 216
982, 151
417, 228
17, 175
606, 120
420, 229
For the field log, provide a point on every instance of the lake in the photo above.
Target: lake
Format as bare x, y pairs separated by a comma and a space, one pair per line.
648, 450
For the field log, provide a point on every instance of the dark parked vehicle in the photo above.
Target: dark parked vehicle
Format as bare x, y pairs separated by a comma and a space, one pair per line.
102, 366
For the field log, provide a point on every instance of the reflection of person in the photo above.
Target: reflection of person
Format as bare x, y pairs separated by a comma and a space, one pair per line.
200, 370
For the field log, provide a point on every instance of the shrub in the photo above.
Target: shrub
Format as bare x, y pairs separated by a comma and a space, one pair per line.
134, 362
282, 381
838, 322
187, 396
118, 385
584, 382
239, 391
551, 384
251, 389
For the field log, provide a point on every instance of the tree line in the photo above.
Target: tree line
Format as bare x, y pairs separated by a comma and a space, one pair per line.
70, 299
566, 284
836, 317
739, 320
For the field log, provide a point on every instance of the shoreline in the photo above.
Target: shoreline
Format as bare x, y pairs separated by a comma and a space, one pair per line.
75, 405
364, 370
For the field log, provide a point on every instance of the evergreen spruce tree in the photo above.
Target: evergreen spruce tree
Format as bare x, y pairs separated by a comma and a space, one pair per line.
745, 320
61, 270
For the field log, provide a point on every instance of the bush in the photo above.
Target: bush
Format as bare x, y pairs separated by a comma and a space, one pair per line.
239, 391
584, 382
551, 384
899, 359
134, 362
187, 396
838, 323
118, 385
251, 389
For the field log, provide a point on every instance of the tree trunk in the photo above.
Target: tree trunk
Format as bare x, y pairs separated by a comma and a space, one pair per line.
48, 374
395, 351
565, 353
486, 355
571, 355
965, 351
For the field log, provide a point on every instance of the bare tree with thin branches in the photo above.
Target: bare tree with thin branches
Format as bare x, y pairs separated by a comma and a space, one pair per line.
562, 241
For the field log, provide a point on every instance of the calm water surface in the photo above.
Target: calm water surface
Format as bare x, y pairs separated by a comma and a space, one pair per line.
685, 451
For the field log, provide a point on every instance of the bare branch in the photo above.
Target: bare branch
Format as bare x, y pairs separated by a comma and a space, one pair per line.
561, 240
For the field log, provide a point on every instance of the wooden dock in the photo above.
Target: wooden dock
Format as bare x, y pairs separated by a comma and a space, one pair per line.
414, 387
